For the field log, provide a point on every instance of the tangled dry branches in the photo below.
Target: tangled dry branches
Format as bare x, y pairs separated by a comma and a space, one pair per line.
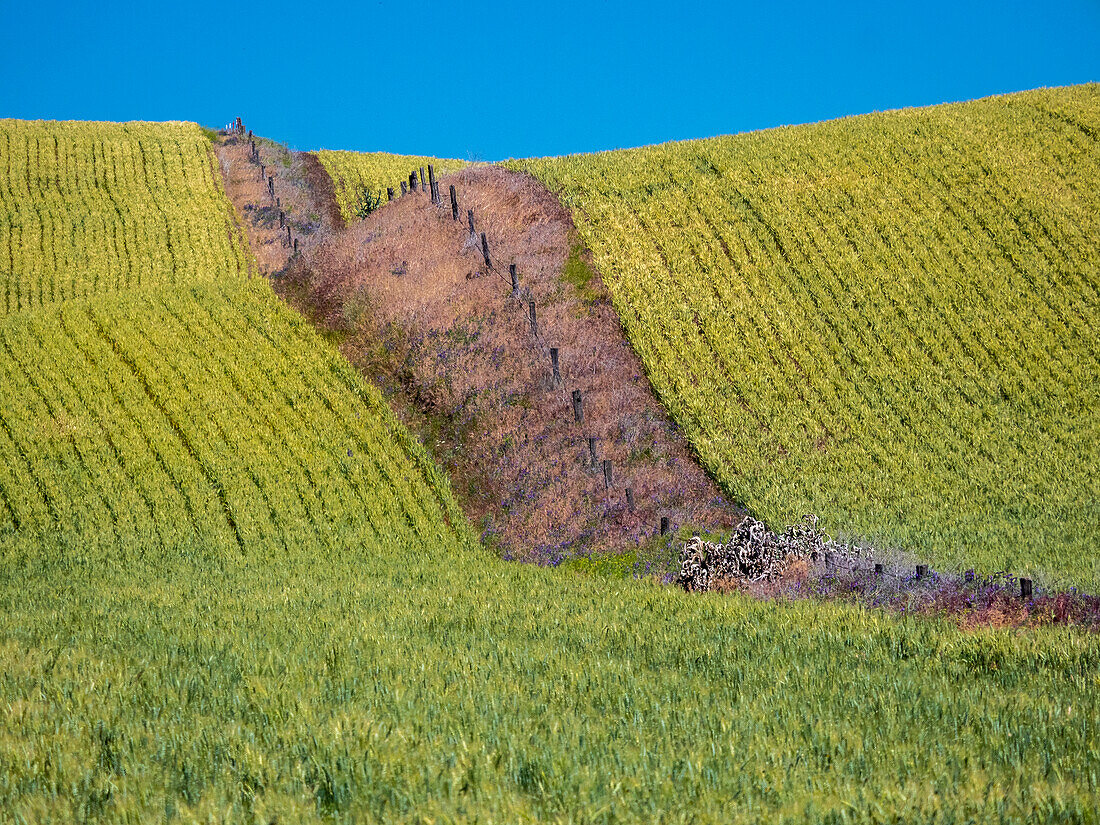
754, 554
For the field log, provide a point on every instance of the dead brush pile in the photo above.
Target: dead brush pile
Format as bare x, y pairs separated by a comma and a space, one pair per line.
755, 554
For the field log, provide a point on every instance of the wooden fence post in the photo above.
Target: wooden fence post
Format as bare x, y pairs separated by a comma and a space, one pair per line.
1025, 588
630, 499
593, 460
288, 236
295, 246
554, 364
271, 185
454, 202
423, 180
431, 183
878, 570
515, 278
578, 407
470, 218
664, 525
389, 193
404, 190
278, 202
485, 251
534, 320
412, 181
607, 473
922, 571
263, 172
282, 218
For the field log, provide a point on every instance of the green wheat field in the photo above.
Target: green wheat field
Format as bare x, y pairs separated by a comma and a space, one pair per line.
233, 588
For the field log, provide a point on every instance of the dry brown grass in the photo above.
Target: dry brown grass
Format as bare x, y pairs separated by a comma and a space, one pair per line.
304, 194
407, 293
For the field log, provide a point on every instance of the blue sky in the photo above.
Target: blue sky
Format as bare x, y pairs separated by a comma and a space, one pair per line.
487, 81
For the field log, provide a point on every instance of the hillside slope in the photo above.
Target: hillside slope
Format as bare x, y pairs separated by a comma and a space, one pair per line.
408, 295
889, 320
153, 396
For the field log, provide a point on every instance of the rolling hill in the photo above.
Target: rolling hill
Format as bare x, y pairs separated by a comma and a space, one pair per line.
888, 320
232, 588
154, 394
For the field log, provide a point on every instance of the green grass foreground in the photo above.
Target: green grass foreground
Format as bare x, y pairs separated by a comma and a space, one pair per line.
888, 320
412, 682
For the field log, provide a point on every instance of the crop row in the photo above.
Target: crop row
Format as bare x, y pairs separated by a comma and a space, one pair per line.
88, 208
888, 320
205, 413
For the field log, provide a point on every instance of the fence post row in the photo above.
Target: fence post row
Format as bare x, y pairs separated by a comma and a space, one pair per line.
832, 563
577, 396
